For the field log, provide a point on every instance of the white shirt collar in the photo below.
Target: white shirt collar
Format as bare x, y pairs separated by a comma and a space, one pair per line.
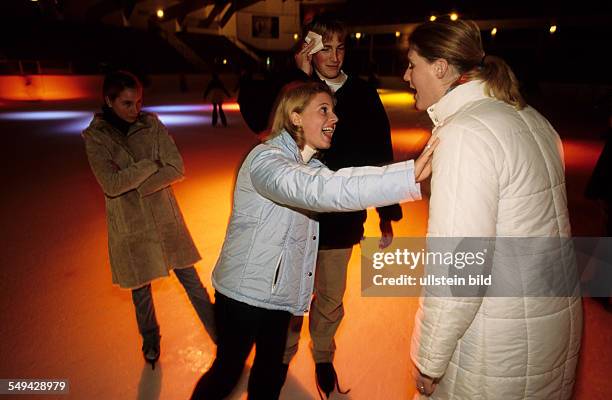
307, 153
334, 86
454, 100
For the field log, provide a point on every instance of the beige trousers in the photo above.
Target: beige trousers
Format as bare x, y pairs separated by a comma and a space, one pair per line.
326, 310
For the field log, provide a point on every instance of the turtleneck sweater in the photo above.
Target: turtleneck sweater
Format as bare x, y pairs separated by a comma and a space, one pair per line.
117, 122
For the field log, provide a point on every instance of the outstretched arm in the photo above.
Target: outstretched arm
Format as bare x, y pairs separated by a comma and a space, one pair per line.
284, 181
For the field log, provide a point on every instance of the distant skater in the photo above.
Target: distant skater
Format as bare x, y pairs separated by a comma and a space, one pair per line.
215, 93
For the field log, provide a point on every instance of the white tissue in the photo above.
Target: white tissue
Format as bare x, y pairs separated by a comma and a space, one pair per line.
318, 41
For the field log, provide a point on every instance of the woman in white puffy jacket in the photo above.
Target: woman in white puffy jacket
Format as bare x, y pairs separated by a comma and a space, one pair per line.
265, 272
498, 172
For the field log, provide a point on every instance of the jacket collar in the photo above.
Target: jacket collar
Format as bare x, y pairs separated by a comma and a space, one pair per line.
455, 100
100, 123
285, 142
120, 124
318, 78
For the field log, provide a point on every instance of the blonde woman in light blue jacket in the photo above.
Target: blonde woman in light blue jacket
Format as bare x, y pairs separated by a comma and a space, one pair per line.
265, 272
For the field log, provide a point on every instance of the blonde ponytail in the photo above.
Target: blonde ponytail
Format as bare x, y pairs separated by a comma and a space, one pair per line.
500, 81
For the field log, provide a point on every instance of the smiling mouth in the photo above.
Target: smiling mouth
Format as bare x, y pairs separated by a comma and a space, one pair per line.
328, 132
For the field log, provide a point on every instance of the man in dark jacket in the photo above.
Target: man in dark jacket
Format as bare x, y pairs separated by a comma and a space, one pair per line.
599, 189
362, 137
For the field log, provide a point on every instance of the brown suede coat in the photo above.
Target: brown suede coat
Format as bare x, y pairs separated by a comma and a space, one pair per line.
147, 236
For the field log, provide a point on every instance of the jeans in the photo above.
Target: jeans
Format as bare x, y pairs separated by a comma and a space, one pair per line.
145, 309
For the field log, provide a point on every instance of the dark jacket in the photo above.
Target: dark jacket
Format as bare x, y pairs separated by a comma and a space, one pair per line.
362, 137
599, 186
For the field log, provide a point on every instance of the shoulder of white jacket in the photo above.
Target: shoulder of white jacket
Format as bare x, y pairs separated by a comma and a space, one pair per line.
267, 147
264, 152
484, 107
482, 116
459, 134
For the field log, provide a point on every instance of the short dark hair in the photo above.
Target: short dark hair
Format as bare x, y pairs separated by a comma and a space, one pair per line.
118, 81
326, 25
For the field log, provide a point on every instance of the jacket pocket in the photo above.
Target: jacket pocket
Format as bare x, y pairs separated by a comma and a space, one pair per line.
277, 273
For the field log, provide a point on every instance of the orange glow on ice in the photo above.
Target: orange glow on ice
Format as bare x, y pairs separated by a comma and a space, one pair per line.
232, 106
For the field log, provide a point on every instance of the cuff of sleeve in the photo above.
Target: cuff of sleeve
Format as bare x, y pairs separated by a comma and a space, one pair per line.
424, 371
142, 190
415, 188
416, 195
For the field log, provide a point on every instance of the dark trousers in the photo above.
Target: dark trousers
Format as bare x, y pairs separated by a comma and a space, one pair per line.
145, 309
221, 114
240, 326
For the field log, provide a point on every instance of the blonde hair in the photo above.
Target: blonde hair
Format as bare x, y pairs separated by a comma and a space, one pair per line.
460, 44
294, 97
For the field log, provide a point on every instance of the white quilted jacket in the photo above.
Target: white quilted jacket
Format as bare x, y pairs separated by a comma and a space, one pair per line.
497, 172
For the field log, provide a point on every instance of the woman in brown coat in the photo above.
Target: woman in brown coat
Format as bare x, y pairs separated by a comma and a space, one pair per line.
135, 162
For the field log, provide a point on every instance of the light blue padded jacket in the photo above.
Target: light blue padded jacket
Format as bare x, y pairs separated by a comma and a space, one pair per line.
270, 249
